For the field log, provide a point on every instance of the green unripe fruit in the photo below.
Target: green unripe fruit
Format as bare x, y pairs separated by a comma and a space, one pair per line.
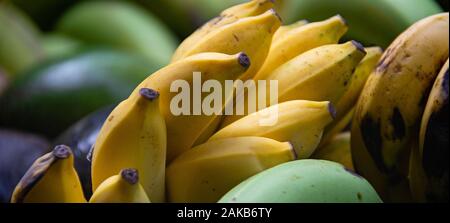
304, 181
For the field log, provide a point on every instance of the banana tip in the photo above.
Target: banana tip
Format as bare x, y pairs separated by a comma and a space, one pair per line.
294, 152
244, 60
62, 151
130, 175
358, 46
342, 19
332, 110
274, 12
148, 93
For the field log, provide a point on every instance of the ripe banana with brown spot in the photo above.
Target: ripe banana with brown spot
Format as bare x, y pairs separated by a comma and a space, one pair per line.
252, 35
389, 109
208, 171
292, 40
337, 150
51, 179
121, 188
299, 122
348, 101
320, 74
185, 131
134, 135
432, 157
228, 16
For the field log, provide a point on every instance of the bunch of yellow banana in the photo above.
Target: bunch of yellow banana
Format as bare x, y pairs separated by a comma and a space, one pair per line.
388, 113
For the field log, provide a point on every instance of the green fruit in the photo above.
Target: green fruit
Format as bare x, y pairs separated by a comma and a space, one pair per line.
19, 40
80, 137
304, 181
57, 45
18, 151
120, 25
371, 22
53, 96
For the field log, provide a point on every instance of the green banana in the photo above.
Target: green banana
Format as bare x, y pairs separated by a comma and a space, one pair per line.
20, 46
372, 22
206, 172
122, 25
134, 135
51, 179
121, 188
388, 112
304, 181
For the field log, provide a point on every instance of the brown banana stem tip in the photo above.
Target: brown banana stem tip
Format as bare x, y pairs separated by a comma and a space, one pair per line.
244, 60
130, 175
149, 94
359, 46
62, 152
332, 110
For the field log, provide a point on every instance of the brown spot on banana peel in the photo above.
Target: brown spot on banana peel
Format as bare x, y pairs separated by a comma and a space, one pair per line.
398, 125
371, 136
37, 171
130, 175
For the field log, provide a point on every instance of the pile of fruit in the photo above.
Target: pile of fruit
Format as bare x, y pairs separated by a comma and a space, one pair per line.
354, 123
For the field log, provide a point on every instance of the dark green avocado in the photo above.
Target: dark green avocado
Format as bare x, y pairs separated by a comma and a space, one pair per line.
49, 98
18, 151
80, 137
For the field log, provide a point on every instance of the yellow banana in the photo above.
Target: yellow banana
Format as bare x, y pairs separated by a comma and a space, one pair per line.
134, 135
320, 74
337, 150
252, 35
185, 131
299, 122
389, 109
348, 101
433, 156
208, 171
121, 188
291, 41
417, 177
230, 15
51, 179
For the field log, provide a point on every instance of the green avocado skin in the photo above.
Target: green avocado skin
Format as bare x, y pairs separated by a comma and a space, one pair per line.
304, 181
49, 98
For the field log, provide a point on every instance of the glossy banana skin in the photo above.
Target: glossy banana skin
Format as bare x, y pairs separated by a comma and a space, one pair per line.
51, 179
206, 172
252, 35
134, 135
81, 137
299, 122
320, 74
432, 156
348, 101
292, 40
304, 181
121, 188
388, 112
186, 131
228, 16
